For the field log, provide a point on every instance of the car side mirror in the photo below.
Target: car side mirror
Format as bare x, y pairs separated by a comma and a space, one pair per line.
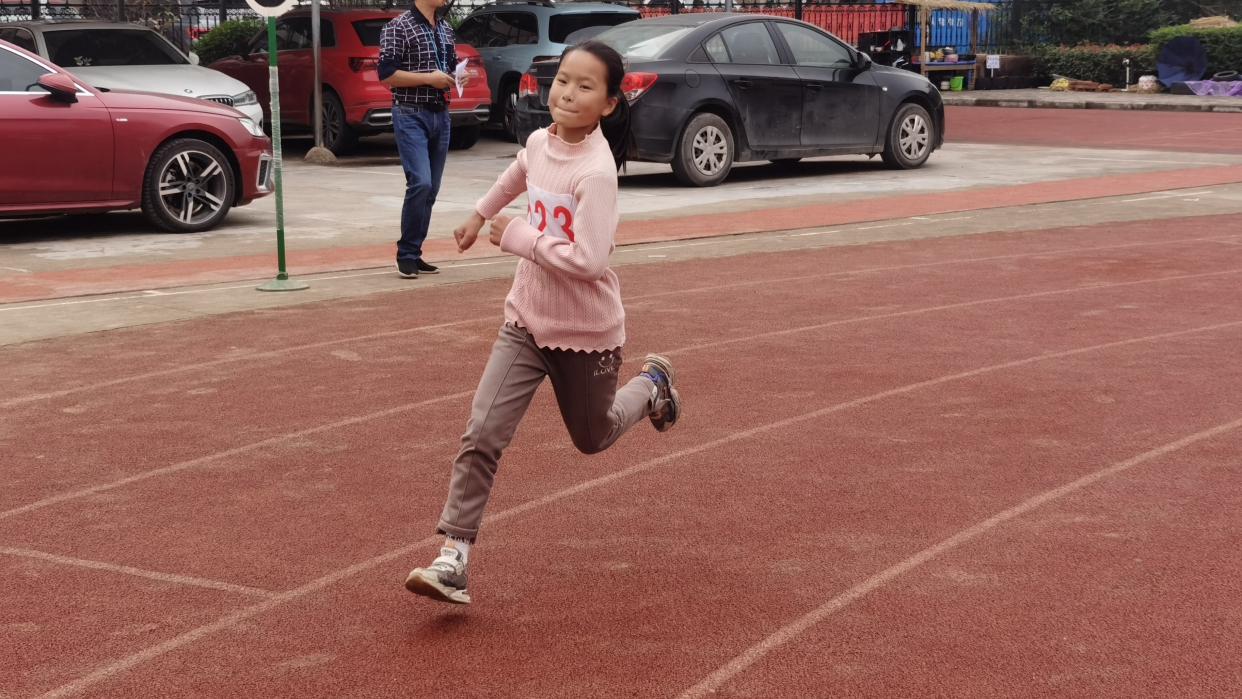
242, 49
864, 61
193, 58
60, 86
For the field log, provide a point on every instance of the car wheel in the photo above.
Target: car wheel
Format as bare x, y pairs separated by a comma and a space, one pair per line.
705, 154
188, 187
464, 137
508, 110
910, 138
338, 136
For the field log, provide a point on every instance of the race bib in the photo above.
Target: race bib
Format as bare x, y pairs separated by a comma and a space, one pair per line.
552, 214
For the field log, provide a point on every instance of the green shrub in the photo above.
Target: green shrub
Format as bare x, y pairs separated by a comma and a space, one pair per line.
1224, 45
1101, 64
220, 42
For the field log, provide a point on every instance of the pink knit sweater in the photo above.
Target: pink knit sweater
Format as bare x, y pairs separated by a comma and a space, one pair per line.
563, 292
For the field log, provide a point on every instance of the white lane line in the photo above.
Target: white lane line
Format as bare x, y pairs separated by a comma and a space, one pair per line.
245, 448
73, 495
117, 667
1162, 162
16, 269
230, 360
948, 307
138, 572
921, 265
792, 630
1165, 196
360, 338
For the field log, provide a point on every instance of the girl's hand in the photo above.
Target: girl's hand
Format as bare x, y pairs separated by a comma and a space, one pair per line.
499, 224
468, 232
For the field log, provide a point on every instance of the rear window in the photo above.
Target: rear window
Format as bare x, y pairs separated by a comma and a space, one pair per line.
83, 48
644, 40
561, 26
369, 30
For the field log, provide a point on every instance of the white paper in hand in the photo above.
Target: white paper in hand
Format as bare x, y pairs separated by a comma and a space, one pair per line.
459, 74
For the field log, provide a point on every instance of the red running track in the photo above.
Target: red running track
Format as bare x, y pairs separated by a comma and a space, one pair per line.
1195, 132
994, 465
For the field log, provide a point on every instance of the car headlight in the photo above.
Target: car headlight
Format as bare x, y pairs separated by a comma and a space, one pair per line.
253, 128
245, 99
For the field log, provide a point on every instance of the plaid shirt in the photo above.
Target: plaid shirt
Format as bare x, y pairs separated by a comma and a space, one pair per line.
411, 44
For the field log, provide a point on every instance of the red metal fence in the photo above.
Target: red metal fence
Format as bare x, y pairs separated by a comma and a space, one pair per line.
845, 21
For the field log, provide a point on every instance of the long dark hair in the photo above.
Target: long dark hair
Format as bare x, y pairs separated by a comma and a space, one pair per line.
615, 126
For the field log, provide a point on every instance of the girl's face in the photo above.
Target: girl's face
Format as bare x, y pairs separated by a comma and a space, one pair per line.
579, 97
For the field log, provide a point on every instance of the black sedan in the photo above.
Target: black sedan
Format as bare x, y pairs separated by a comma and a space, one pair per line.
709, 90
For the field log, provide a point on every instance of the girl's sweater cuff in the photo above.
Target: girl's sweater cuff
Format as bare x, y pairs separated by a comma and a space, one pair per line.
519, 239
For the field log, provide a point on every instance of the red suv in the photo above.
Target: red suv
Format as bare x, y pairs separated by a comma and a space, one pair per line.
355, 103
69, 147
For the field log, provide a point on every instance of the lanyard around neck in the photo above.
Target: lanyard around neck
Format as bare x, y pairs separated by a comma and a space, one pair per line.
435, 46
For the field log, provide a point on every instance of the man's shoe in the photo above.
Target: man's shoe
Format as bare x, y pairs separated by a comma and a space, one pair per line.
425, 268
660, 371
407, 269
444, 580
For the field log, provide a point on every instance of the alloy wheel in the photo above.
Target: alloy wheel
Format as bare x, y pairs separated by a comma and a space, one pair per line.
331, 122
914, 138
193, 187
709, 150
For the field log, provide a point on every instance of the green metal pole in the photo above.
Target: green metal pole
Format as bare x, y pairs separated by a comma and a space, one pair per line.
282, 281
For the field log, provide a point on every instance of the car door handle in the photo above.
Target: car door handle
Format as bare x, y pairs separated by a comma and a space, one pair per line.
814, 87
743, 84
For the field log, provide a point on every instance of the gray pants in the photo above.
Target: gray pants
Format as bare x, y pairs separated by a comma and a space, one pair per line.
594, 410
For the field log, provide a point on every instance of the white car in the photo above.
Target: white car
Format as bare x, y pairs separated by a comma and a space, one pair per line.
119, 56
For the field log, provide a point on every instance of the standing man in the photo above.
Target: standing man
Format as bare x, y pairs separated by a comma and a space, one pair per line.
417, 54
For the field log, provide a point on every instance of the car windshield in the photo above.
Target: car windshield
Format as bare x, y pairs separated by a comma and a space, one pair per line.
369, 30
561, 26
643, 40
84, 48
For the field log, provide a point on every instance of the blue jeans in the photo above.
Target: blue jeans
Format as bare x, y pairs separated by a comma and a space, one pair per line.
423, 141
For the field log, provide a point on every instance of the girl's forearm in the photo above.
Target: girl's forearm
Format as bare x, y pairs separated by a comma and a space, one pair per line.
509, 185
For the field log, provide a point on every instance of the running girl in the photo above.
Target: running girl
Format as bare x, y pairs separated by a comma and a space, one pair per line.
563, 316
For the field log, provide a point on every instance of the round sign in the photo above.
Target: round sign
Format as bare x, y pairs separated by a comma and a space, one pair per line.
272, 8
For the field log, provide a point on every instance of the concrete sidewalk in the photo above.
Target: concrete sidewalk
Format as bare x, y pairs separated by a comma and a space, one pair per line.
1047, 99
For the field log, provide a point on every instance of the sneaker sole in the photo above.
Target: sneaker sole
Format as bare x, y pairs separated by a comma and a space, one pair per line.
403, 275
432, 589
676, 403
423, 271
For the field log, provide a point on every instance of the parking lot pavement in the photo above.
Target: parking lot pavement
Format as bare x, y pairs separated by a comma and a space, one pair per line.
358, 203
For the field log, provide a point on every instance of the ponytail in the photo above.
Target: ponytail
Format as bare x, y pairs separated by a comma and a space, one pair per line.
615, 126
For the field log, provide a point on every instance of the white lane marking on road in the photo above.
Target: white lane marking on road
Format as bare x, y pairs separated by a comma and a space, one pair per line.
1163, 162
117, 667
297, 348
16, 269
138, 572
1164, 196
55, 499
948, 307
238, 358
243, 449
792, 630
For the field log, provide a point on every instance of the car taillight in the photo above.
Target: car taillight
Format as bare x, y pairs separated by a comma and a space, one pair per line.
633, 85
360, 64
528, 87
